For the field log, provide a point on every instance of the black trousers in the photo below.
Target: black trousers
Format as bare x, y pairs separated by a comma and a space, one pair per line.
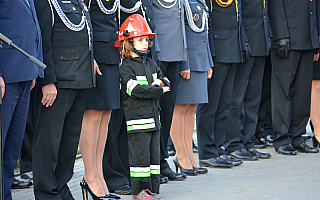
144, 161
211, 117
167, 103
291, 80
264, 124
55, 142
115, 158
243, 114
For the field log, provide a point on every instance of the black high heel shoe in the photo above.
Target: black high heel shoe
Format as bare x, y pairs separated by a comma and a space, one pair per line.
201, 170
112, 196
190, 172
315, 142
85, 188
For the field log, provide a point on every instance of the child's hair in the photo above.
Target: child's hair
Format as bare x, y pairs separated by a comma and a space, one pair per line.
125, 49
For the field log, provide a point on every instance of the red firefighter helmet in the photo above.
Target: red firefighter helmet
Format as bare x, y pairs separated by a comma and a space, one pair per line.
135, 25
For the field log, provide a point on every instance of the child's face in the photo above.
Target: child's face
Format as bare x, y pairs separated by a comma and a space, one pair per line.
141, 43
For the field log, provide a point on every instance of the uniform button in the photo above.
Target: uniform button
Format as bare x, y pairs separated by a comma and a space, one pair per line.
310, 13
215, 35
117, 32
61, 57
145, 8
149, 19
115, 19
264, 17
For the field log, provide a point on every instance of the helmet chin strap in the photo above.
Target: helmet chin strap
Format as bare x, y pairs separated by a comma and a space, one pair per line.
139, 52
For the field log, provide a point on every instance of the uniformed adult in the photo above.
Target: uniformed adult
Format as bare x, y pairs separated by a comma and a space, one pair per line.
102, 99
295, 36
243, 115
18, 22
192, 85
67, 48
226, 35
170, 45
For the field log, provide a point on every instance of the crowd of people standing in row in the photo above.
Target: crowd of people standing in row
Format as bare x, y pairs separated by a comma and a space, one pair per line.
203, 58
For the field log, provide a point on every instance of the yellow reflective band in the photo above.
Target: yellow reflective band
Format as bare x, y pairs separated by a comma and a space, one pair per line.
141, 127
143, 82
131, 84
155, 76
139, 174
155, 171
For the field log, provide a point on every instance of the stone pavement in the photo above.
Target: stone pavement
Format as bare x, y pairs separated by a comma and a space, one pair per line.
279, 178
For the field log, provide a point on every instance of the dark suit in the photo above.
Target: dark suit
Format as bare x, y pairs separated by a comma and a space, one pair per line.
70, 67
227, 38
19, 23
292, 76
246, 95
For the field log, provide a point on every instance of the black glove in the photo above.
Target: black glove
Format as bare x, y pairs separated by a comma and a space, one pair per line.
246, 53
282, 47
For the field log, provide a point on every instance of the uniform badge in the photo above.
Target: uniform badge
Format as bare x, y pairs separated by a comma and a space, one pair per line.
198, 8
196, 17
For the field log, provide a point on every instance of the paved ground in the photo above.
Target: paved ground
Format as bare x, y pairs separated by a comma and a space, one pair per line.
279, 178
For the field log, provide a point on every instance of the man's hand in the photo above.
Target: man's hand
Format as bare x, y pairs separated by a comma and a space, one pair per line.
209, 73
316, 57
185, 74
282, 47
3, 86
33, 83
246, 53
49, 94
96, 68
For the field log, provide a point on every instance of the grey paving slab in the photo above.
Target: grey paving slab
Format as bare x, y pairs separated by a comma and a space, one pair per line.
279, 178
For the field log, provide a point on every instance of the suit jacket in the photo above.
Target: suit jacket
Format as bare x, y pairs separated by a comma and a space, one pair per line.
170, 31
297, 20
257, 26
198, 51
105, 32
226, 33
65, 52
19, 23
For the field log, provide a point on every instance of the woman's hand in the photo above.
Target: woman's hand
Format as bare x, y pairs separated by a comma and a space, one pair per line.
209, 73
185, 74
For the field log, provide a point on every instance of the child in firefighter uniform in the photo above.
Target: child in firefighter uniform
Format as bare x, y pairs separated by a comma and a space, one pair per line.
142, 84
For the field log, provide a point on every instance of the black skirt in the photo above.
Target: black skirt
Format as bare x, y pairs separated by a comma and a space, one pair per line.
316, 70
106, 96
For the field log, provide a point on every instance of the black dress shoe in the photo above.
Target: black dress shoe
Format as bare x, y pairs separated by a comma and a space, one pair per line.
171, 150
163, 179
122, 190
17, 184
258, 144
229, 160
243, 154
304, 148
215, 162
286, 149
27, 175
172, 176
259, 154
